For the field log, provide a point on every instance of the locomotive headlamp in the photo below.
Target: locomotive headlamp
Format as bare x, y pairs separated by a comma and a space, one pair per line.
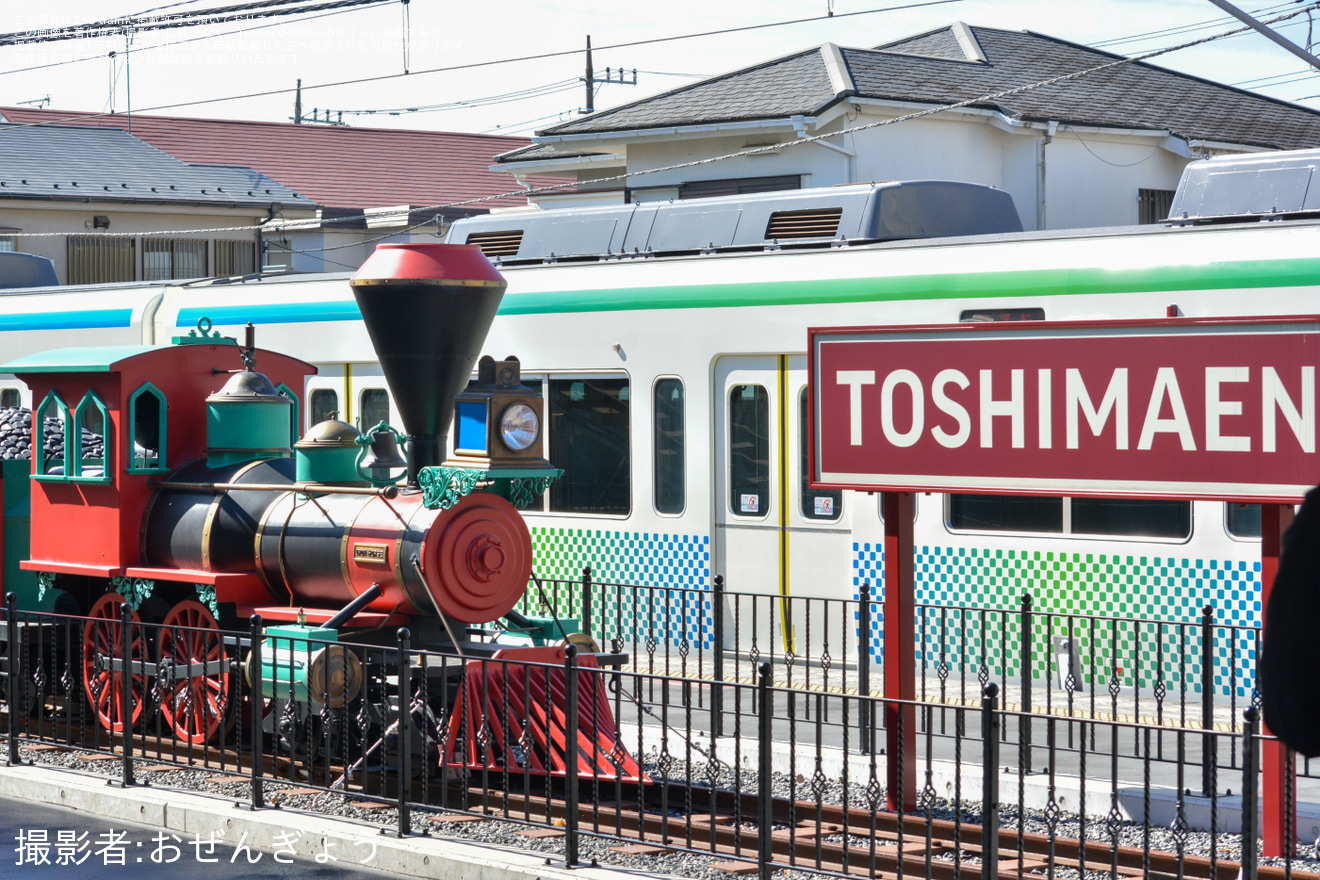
520, 426
497, 424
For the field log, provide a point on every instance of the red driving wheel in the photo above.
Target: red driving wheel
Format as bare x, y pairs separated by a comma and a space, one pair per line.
196, 704
103, 638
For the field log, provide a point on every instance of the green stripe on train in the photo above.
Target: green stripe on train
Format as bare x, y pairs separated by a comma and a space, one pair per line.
1026, 283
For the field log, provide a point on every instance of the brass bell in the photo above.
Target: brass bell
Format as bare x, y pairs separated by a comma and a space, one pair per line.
384, 450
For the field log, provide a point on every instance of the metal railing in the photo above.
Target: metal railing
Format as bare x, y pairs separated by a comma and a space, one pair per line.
768, 772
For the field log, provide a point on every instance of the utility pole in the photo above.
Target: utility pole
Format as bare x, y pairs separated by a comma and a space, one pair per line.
297, 104
592, 80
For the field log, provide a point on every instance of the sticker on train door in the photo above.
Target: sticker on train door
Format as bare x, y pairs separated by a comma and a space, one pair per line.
824, 506
749, 503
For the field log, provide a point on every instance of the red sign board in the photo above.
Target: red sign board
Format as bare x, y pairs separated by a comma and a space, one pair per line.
1175, 408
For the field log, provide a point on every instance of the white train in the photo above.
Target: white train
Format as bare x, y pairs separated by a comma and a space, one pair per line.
670, 340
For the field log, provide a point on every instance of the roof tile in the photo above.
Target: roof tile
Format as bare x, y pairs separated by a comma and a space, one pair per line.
335, 166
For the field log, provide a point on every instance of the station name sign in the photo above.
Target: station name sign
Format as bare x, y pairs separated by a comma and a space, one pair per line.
1174, 408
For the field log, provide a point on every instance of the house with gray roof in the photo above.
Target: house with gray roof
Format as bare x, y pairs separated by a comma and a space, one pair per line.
106, 206
1078, 139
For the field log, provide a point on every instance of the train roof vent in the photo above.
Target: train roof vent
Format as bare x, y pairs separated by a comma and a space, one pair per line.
1258, 186
500, 243
812, 223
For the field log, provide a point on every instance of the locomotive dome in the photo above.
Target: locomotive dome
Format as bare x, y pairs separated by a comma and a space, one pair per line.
330, 433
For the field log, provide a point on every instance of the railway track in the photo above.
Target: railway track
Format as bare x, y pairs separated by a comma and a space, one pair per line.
854, 841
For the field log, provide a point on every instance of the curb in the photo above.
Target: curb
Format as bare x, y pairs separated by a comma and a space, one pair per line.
192, 814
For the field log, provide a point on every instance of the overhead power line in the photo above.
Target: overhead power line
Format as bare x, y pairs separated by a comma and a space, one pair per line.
512, 60
100, 56
215, 15
986, 98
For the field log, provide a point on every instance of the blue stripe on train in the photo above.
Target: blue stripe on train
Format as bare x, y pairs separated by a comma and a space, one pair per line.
81, 320
272, 313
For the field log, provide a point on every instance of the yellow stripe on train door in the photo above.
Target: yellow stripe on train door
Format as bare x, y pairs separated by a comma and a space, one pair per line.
785, 612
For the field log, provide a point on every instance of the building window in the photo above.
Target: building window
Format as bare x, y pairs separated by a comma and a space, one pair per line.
50, 435
324, 406
706, 189
10, 397
235, 258
1153, 205
99, 259
146, 413
8, 239
374, 408
588, 434
90, 440
749, 450
821, 504
164, 259
670, 439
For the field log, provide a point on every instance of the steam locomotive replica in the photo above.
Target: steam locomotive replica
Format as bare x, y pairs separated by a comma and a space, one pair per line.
180, 492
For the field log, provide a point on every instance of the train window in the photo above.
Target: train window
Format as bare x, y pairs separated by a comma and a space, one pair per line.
91, 439
49, 448
820, 504
670, 436
749, 450
1138, 518
588, 433
1005, 513
1242, 520
325, 405
146, 413
1134, 518
978, 316
373, 407
10, 397
295, 416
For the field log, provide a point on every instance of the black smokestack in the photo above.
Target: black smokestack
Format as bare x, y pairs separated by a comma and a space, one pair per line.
428, 308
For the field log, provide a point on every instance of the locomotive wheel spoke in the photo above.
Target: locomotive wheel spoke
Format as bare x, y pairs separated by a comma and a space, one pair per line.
103, 636
195, 706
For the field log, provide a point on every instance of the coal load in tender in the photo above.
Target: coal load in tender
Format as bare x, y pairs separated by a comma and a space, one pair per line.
16, 436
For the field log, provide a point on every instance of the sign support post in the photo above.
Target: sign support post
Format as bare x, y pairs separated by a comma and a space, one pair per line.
900, 648
1217, 408
1276, 764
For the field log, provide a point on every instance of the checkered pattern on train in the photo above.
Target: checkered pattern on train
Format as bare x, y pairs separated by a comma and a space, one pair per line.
666, 581
1146, 612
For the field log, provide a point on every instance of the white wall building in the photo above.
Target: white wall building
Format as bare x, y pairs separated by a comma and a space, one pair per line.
1100, 149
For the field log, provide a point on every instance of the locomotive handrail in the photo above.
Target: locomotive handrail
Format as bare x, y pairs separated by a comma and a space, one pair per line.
304, 488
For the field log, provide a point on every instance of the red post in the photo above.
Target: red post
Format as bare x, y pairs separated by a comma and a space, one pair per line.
1274, 520
900, 647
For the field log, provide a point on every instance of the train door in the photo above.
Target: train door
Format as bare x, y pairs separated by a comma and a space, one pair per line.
773, 535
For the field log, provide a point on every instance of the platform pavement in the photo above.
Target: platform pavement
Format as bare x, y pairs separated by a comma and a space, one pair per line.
1032, 789
1046, 698
191, 814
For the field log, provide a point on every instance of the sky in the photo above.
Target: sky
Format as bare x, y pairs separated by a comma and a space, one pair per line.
230, 71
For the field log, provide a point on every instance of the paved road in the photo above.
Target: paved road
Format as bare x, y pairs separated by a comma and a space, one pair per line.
31, 836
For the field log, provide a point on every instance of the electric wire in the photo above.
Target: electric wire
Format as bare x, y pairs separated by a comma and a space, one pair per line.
519, 95
1188, 28
172, 43
516, 59
215, 15
808, 139
627, 175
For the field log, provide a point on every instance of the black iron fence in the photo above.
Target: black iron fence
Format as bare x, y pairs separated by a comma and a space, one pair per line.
1197, 672
756, 768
